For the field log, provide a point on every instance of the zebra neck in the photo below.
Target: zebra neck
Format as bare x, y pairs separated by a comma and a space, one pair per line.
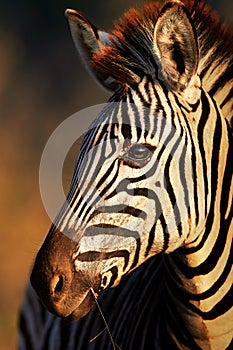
199, 275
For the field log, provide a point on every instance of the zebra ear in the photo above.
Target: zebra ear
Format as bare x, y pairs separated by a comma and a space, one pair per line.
89, 40
175, 44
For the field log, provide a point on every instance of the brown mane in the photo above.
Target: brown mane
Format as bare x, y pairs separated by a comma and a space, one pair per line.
132, 53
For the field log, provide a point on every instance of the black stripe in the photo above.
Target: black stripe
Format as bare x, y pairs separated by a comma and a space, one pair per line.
137, 116
122, 209
214, 185
205, 70
100, 256
171, 194
126, 125
159, 108
144, 192
183, 176
114, 271
223, 79
105, 176
150, 240
200, 130
152, 231
194, 163
140, 96
227, 98
166, 236
84, 170
226, 187
147, 86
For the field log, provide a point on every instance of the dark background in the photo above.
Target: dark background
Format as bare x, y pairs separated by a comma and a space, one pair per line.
41, 84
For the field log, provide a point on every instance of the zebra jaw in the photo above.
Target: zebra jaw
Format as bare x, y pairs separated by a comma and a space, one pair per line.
64, 291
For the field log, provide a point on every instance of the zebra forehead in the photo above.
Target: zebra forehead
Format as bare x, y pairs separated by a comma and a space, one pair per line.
132, 53
120, 122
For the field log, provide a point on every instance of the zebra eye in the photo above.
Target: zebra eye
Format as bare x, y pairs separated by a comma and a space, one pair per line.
139, 152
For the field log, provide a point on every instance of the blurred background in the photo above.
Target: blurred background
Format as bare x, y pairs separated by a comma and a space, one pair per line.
41, 84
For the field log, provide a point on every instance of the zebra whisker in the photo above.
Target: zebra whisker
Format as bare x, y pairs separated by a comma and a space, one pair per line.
115, 346
98, 335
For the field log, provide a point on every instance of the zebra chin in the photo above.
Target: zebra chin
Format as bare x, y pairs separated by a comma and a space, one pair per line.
65, 292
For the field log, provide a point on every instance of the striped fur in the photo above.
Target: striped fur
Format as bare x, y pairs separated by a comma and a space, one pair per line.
163, 209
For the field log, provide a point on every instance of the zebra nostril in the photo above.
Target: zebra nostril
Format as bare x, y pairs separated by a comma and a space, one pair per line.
57, 285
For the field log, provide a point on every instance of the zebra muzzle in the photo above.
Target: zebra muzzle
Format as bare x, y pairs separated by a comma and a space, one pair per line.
62, 289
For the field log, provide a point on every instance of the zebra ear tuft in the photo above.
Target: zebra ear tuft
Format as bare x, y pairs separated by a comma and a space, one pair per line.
89, 40
175, 44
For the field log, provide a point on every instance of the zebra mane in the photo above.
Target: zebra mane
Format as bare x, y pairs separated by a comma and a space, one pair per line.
131, 52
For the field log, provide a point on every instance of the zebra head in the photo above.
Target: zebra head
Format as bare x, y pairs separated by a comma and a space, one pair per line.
133, 191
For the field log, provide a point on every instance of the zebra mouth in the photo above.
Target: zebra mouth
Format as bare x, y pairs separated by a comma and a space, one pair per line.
83, 308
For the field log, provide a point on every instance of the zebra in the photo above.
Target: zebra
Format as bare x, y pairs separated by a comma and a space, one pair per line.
147, 224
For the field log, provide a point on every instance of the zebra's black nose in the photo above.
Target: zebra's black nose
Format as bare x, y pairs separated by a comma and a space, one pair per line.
61, 288
53, 272
58, 285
